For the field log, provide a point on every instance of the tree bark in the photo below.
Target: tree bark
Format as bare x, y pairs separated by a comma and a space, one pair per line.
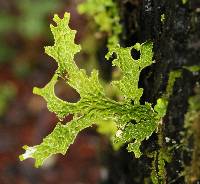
176, 45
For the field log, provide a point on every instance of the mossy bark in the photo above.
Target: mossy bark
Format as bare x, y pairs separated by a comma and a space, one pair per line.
176, 45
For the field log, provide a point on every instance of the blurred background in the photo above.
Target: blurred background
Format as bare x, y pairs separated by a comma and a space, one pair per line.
24, 117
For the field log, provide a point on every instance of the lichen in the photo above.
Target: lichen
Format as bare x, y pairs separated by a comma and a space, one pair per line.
94, 106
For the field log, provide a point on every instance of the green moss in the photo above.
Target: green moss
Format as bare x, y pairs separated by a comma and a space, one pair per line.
163, 154
154, 173
192, 126
160, 157
172, 78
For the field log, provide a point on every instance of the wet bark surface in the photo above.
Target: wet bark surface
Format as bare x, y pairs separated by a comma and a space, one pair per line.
176, 44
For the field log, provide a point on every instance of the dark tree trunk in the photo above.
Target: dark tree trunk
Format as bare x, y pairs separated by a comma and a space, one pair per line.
176, 45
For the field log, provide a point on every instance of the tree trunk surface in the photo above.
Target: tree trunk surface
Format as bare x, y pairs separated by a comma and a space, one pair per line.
176, 45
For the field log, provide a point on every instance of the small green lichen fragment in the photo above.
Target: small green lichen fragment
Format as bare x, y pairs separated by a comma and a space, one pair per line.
107, 127
135, 148
162, 18
195, 68
161, 107
184, 1
106, 16
94, 106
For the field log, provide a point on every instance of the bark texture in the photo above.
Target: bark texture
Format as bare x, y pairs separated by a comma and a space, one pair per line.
176, 45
